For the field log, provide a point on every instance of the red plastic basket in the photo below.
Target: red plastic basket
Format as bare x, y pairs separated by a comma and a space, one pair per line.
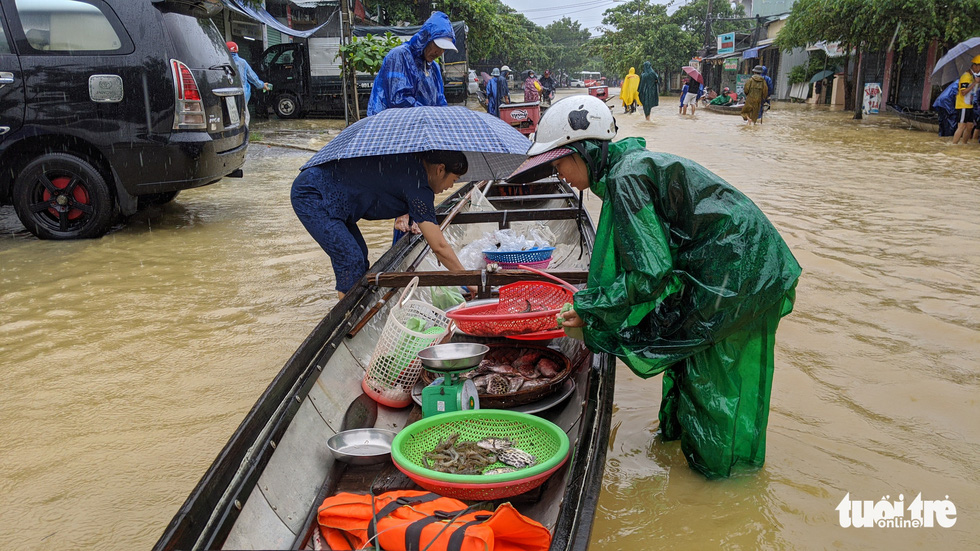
524, 307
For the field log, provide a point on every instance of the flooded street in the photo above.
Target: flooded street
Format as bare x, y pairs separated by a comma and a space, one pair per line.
127, 362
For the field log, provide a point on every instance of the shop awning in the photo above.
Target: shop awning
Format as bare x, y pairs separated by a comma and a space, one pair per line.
753, 53
314, 3
262, 16
722, 56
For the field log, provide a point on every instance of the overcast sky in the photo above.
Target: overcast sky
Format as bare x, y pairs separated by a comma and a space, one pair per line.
542, 12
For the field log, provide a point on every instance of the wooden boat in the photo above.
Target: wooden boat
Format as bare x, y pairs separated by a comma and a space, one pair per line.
919, 120
725, 109
264, 488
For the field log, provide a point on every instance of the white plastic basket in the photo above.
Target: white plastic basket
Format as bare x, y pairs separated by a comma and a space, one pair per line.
395, 366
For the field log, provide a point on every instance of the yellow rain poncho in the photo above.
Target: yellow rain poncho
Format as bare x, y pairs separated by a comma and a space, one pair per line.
631, 85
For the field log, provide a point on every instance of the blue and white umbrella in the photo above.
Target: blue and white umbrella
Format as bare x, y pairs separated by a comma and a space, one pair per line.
492, 147
956, 61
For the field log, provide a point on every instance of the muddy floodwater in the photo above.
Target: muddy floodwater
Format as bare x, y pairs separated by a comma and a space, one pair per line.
127, 362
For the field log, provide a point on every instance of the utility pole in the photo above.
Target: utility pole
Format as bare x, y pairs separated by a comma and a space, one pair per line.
707, 30
352, 108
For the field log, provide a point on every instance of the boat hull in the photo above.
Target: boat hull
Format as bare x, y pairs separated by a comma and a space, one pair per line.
263, 489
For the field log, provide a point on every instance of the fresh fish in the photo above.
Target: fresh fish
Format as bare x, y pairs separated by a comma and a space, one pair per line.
503, 369
495, 444
528, 371
497, 384
516, 458
515, 384
500, 470
547, 367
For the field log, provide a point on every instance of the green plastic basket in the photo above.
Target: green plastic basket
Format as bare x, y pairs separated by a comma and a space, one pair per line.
546, 441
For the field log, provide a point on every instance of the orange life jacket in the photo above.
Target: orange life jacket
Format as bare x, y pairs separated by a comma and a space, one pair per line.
411, 520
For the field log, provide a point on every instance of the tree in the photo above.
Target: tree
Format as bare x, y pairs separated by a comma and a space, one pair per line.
564, 45
867, 26
642, 30
365, 53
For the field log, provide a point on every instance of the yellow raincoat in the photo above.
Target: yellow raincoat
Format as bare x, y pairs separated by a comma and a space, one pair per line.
631, 86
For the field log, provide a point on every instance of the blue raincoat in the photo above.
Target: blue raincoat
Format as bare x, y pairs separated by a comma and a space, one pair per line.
492, 106
249, 77
945, 105
405, 79
765, 100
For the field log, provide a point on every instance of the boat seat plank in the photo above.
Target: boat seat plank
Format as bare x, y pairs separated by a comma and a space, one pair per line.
522, 198
298, 467
505, 217
468, 277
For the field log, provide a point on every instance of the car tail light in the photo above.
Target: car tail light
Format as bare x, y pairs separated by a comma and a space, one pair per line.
189, 109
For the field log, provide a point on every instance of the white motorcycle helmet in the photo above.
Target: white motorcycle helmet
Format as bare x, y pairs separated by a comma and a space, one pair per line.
567, 121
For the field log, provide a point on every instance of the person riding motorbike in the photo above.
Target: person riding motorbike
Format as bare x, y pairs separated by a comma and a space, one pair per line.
548, 85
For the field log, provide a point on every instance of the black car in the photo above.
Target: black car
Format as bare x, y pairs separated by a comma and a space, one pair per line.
110, 105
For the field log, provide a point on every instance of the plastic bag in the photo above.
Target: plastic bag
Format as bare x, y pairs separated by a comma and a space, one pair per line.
445, 298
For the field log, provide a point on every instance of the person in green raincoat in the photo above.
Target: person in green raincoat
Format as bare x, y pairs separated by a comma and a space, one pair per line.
688, 278
649, 89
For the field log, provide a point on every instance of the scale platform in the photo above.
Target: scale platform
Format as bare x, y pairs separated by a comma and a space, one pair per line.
449, 392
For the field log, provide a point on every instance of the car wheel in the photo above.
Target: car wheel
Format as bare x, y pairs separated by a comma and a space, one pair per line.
287, 106
62, 196
152, 199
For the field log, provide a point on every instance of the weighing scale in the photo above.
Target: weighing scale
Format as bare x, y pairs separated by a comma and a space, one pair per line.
450, 392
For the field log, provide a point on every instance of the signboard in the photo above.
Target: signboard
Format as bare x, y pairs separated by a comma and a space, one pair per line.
726, 43
731, 63
740, 81
872, 98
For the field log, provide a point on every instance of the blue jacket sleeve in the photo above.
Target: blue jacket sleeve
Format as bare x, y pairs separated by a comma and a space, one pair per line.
253, 77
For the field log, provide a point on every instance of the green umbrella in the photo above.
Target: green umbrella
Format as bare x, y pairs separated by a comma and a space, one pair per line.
822, 75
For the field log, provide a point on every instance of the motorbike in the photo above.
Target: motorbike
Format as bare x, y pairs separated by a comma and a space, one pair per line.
547, 95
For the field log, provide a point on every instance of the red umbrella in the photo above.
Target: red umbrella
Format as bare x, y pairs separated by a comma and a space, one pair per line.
693, 73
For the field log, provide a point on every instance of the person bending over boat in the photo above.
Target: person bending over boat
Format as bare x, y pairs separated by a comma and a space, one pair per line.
688, 278
330, 198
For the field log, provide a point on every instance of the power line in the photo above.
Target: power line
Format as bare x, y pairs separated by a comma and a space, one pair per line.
593, 3
573, 11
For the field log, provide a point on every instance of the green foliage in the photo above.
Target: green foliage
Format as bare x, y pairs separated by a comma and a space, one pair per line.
799, 74
871, 24
642, 30
365, 53
563, 46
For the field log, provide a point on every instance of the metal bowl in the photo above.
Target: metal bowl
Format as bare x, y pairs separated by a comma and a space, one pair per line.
362, 446
456, 356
